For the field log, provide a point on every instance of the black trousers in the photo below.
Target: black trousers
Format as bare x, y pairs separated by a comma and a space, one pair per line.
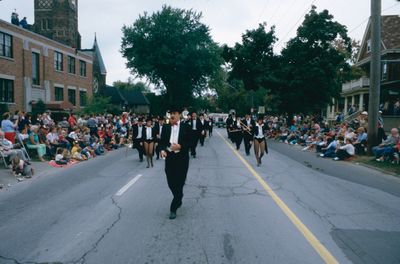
237, 139
136, 145
158, 149
194, 141
247, 146
201, 138
342, 154
176, 168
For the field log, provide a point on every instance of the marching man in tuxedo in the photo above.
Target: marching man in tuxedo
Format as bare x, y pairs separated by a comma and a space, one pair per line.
174, 144
247, 126
137, 131
203, 129
196, 128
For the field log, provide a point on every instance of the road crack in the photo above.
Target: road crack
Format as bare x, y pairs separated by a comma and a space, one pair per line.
82, 259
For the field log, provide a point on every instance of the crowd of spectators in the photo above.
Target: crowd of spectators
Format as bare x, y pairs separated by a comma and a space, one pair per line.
339, 141
74, 138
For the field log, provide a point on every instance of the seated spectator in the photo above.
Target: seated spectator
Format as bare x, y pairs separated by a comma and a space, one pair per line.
387, 145
9, 127
361, 142
53, 140
330, 150
346, 151
34, 143
11, 150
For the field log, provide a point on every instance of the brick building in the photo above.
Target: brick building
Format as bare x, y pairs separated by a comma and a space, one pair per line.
48, 64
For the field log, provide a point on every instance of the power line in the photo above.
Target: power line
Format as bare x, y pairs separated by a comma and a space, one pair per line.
297, 22
366, 20
262, 11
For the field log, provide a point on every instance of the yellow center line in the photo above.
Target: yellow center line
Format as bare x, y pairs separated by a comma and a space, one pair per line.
308, 235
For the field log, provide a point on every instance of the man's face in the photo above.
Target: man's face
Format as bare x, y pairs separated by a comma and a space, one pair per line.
194, 116
175, 116
394, 132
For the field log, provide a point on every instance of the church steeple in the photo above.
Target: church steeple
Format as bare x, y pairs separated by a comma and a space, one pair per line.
58, 20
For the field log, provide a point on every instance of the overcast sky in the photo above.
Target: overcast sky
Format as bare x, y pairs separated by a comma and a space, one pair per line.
227, 19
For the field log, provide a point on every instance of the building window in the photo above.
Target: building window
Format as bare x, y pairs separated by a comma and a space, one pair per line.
82, 68
72, 96
71, 65
384, 71
45, 23
6, 49
82, 98
58, 61
35, 68
6, 91
369, 46
59, 93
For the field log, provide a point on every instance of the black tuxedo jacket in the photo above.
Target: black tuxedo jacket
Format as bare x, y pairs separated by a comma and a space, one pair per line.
183, 137
199, 126
153, 133
135, 131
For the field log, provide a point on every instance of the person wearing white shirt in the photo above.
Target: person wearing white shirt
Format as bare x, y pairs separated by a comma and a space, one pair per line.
137, 138
346, 151
174, 144
149, 137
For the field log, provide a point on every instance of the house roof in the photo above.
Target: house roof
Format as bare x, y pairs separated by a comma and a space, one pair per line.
114, 94
390, 38
134, 97
98, 56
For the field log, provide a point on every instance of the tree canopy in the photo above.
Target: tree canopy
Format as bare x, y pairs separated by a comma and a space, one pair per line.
311, 62
173, 49
253, 60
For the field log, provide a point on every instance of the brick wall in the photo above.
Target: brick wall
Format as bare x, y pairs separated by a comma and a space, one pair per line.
19, 68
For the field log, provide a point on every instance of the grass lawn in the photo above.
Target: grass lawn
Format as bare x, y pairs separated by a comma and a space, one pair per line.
385, 166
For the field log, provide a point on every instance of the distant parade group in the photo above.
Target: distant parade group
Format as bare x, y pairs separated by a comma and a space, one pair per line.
176, 137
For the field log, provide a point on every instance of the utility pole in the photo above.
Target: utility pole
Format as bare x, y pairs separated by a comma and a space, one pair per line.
375, 74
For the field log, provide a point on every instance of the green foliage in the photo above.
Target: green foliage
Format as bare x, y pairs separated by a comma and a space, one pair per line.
38, 108
253, 60
310, 64
131, 86
97, 105
171, 48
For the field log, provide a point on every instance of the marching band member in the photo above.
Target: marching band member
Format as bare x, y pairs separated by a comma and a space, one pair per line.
260, 145
247, 127
149, 136
203, 129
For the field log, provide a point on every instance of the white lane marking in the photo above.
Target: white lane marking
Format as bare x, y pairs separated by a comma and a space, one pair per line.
128, 185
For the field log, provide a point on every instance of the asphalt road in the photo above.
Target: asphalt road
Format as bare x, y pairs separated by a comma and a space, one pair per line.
114, 210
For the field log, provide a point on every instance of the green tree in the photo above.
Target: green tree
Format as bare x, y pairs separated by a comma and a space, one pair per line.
97, 105
130, 85
171, 48
253, 60
310, 64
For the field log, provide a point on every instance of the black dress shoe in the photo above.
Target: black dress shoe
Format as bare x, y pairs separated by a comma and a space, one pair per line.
172, 215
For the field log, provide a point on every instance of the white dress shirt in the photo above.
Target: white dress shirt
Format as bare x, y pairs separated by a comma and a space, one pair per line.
260, 131
149, 133
174, 133
194, 124
139, 135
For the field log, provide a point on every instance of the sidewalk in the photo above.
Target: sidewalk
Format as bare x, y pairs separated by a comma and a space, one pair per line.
366, 161
7, 179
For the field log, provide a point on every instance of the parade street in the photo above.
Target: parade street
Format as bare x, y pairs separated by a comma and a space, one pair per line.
114, 210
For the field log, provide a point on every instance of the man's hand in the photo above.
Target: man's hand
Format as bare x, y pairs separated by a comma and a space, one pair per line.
163, 154
175, 147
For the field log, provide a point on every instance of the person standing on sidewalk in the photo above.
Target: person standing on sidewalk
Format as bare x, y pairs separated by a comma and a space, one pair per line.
174, 144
